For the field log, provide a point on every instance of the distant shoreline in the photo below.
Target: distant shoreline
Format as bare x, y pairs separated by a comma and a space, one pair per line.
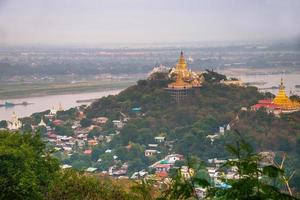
15, 95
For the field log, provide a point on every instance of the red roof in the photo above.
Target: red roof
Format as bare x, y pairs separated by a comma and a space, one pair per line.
162, 174
57, 122
265, 105
265, 101
163, 166
88, 152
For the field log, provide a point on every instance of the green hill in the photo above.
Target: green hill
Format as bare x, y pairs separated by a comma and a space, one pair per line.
187, 124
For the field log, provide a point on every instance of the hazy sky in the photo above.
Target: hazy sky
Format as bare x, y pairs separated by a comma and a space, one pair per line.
91, 22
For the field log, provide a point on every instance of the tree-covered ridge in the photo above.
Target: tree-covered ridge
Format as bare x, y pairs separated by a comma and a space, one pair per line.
211, 106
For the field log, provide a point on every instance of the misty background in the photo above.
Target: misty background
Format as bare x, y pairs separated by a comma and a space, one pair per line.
97, 22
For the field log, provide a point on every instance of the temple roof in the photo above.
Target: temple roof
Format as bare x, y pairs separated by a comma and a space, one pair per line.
283, 100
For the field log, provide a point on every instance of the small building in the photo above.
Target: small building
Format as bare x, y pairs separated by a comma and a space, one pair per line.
153, 146
172, 158
118, 124
57, 122
150, 152
92, 142
88, 152
65, 166
159, 139
136, 110
91, 169
221, 130
14, 123
108, 151
186, 172
100, 120
233, 81
162, 167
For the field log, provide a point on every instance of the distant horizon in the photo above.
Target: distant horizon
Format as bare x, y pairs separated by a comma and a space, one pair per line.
140, 45
102, 22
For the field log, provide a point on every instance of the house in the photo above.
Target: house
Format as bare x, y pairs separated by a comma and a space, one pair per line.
100, 120
172, 158
159, 139
65, 166
80, 143
57, 122
67, 149
92, 142
162, 167
153, 145
140, 174
233, 81
118, 124
108, 151
221, 130
150, 152
186, 172
91, 169
88, 152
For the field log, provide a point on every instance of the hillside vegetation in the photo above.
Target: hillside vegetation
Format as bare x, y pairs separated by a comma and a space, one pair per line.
188, 123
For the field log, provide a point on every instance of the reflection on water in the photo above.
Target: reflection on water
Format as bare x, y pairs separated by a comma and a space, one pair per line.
46, 102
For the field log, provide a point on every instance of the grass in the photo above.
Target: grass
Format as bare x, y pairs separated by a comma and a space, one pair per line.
19, 90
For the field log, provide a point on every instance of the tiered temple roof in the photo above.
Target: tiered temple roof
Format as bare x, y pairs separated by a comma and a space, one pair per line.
281, 102
185, 78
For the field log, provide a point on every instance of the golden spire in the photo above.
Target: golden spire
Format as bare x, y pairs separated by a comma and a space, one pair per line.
181, 62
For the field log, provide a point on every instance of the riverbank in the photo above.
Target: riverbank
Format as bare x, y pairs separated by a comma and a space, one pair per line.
43, 103
21, 90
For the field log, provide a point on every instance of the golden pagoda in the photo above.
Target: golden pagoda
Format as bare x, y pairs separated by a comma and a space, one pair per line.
284, 101
181, 67
180, 83
183, 84
184, 76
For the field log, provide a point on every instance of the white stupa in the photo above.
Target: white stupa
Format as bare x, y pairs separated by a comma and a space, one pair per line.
14, 123
42, 123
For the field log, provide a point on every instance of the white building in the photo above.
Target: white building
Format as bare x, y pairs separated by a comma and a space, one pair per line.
42, 123
14, 123
159, 139
150, 152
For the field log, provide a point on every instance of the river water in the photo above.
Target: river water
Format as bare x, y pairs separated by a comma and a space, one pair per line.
289, 81
47, 102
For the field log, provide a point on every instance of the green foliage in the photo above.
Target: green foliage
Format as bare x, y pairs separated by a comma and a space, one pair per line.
73, 185
26, 128
26, 169
69, 114
250, 185
80, 161
107, 161
213, 77
143, 190
64, 130
86, 122
3, 124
